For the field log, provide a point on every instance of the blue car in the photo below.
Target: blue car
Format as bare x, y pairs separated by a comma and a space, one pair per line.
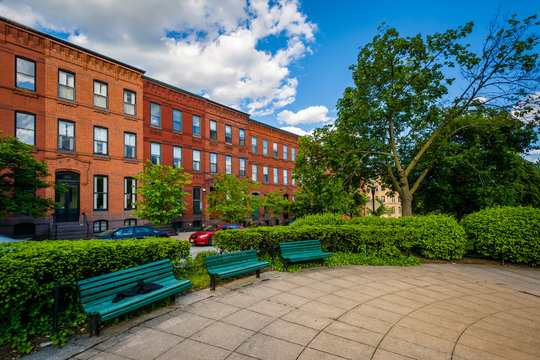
132, 232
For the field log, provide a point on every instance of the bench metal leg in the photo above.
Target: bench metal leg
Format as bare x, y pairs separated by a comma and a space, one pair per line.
322, 261
172, 299
258, 273
286, 263
93, 326
212, 282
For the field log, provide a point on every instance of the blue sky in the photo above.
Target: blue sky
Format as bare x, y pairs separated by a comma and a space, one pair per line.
286, 62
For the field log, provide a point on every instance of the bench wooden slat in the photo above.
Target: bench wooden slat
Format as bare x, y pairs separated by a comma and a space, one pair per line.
97, 293
232, 264
296, 251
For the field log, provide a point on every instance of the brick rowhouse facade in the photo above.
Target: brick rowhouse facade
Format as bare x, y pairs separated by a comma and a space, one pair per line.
95, 120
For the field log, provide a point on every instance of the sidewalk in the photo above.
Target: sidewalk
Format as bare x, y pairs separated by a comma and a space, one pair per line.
350, 312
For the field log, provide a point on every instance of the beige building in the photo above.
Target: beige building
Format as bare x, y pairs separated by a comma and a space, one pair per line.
382, 196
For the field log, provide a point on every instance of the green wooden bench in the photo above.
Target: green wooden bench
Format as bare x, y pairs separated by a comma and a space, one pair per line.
97, 293
232, 264
296, 251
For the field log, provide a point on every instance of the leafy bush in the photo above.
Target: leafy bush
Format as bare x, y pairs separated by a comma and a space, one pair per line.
28, 272
512, 233
433, 236
344, 238
439, 236
320, 219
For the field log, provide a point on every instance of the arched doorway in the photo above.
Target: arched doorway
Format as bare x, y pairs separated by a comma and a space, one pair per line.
68, 201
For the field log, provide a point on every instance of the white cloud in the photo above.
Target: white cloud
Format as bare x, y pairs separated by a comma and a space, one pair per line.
212, 47
534, 152
310, 115
296, 130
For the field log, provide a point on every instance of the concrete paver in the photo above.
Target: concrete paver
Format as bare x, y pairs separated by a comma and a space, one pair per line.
445, 311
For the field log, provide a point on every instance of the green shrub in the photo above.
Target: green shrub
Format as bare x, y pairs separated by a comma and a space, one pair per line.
343, 238
433, 236
439, 236
510, 232
28, 271
320, 219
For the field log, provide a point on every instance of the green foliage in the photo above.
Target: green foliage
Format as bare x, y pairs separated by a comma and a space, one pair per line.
275, 202
405, 105
21, 176
390, 257
231, 198
320, 219
482, 168
322, 191
194, 270
512, 233
381, 210
28, 271
344, 238
439, 236
160, 193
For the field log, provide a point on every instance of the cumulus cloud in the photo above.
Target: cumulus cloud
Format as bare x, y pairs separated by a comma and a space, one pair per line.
296, 130
310, 115
212, 47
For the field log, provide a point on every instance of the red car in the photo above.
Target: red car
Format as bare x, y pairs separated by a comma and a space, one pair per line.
204, 237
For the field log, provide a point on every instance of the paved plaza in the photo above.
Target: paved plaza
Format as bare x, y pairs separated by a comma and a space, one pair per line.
446, 311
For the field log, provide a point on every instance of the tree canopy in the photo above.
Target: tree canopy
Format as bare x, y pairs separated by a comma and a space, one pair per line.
412, 95
160, 194
231, 199
20, 176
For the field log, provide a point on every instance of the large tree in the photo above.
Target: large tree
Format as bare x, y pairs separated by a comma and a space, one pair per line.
160, 191
411, 94
21, 174
231, 198
322, 190
481, 167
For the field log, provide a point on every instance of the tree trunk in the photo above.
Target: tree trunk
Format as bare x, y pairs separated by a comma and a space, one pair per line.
406, 201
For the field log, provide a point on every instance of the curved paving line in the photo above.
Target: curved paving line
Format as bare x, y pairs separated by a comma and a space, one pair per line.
482, 318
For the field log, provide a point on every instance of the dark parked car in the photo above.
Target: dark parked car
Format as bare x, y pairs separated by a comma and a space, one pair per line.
204, 237
132, 232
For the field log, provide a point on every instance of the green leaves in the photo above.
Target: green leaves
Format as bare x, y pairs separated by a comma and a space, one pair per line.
405, 105
21, 176
28, 271
231, 199
160, 193
512, 233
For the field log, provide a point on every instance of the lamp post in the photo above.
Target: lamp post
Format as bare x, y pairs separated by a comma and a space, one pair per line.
373, 200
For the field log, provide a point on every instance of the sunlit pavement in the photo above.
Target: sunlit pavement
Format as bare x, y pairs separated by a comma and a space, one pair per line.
444, 311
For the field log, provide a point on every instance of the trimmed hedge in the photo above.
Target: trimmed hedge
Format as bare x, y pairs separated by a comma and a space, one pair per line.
440, 236
28, 271
343, 238
320, 219
509, 233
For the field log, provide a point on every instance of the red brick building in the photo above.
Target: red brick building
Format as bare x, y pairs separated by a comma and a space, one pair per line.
94, 120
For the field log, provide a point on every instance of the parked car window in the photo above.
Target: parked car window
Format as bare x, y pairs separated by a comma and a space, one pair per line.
234, 226
211, 228
142, 229
225, 227
124, 232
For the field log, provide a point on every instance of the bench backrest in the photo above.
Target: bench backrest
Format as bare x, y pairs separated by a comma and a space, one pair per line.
302, 246
230, 259
98, 288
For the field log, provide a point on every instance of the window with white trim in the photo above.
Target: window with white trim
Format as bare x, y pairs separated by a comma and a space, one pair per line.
155, 114
101, 99
66, 85
177, 157
25, 127
101, 140
26, 74
130, 102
